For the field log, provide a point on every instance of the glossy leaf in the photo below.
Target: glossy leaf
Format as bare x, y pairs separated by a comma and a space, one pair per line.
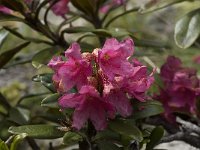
187, 29
153, 5
46, 80
51, 101
147, 109
125, 128
99, 32
16, 5
71, 138
19, 115
3, 35
155, 137
7, 17
6, 56
107, 134
86, 6
16, 141
44, 56
107, 145
38, 131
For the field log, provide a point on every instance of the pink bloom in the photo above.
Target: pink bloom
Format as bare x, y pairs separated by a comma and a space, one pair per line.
5, 10
61, 8
134, 85
73, 72
139, 82
118, 98
88, 106
181, 87
112, 58
169, 68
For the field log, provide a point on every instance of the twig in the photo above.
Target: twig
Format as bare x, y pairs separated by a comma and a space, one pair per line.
188, 125
32, 143
161, 121
120, 15
182, 136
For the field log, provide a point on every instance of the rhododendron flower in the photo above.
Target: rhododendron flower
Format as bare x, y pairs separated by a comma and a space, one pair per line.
139, 82
118, 98
181, 87
61, 7
134, 85
112, 58
5, 10
105, 79
73, 72
88, 106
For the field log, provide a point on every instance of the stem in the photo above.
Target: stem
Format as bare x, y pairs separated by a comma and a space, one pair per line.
183, 136
32, 143
120, 15
47, 11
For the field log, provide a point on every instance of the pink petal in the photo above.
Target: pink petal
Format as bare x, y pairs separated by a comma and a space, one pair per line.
70, 100
74, 51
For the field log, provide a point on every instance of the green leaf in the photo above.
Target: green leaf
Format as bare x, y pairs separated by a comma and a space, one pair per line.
99, 32
38, 131
3, 146
46, 80
155, 137
6, 56
187, 29
107, 134
125, 128
3, 35
4, 102
86, 6
44, 56
19, 115
16, 5
7, 17
147, 109
51, 101
17, 139
153, 5
107, 145
71, 138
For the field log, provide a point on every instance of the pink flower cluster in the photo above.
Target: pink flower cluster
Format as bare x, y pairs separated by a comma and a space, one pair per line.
181, 88
106, 82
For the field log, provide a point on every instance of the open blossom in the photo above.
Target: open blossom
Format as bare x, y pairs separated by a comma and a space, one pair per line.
88, 106
181, 87
73, 72
106, 81
61, 7
112, 58
5, 10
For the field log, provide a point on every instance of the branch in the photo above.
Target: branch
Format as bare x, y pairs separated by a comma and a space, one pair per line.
161, 121
188, 125
120, 15
183, 136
